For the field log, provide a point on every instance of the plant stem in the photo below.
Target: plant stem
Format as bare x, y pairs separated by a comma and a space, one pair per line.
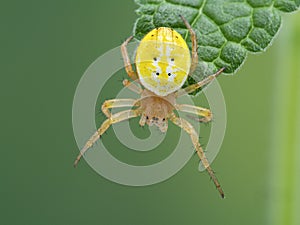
284, 199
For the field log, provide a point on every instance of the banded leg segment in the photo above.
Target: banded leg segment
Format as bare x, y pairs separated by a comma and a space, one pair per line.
193, 87
131, 73
115, 118
203, 112
116, 103
133, 87
194, 46
182, 123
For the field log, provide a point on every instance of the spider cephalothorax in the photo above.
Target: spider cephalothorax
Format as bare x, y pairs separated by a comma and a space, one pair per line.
156, 109
163, 63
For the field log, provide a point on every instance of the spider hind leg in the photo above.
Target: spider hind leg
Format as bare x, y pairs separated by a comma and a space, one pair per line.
131, 73
194, 45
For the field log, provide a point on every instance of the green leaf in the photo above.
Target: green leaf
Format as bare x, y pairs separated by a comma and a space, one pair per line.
226, 29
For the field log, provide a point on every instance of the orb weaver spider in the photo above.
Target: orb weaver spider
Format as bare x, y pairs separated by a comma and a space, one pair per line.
163, 63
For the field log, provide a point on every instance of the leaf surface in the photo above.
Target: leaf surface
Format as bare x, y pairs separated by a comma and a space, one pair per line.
226, 29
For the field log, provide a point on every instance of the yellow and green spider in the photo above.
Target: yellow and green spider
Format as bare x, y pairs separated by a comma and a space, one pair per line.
163, 63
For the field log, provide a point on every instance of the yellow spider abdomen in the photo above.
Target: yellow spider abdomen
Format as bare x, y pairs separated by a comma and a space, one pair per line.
163, 61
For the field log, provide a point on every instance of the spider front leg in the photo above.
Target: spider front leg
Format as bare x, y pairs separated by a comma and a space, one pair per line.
182, 123
193, 87
204, 113
131, 73
194, 46
115, 118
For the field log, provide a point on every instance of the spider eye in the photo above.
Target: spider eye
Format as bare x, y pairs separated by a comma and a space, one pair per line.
157, 73
169, 74
155, 59
172, 59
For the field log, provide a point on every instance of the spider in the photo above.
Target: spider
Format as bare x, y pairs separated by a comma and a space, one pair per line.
163, 62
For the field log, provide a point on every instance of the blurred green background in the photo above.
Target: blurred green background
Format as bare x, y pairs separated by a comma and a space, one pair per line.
45, 48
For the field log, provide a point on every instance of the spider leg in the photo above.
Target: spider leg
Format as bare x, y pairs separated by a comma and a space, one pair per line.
116, 103
126, 59
204, 113
200, 84
182, 123
118, 117
133, 87
194, 46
